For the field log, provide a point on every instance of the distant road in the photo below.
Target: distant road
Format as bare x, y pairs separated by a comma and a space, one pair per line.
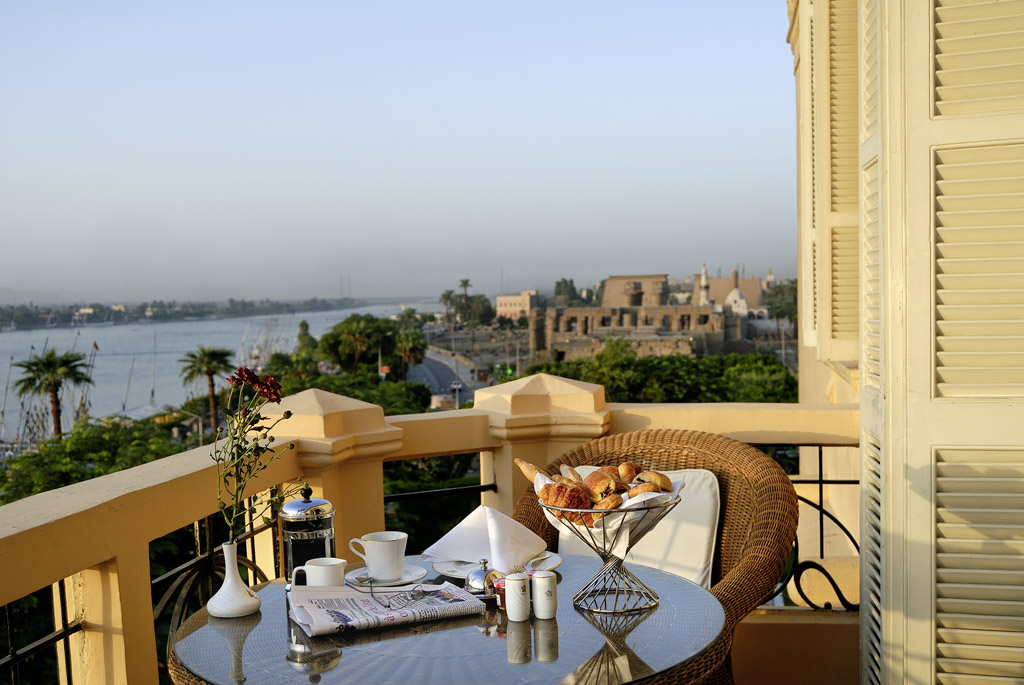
434, 374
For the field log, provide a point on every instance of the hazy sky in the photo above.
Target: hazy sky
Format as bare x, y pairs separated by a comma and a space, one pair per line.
290, 149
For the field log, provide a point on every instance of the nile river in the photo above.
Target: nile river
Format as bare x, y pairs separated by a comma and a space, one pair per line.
137, 365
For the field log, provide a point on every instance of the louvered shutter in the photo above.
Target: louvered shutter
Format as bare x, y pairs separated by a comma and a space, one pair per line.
979, 57
872, 585
836, 205
951, 184
979, 566
980, 271
872, 556
871, 345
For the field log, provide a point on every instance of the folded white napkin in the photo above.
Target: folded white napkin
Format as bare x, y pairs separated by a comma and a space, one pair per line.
487, 534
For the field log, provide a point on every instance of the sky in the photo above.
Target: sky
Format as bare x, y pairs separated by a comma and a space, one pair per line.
198, 150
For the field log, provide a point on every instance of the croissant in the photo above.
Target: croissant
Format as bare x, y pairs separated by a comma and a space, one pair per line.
569, 496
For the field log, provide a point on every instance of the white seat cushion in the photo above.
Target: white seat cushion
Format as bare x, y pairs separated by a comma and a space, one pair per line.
684, 541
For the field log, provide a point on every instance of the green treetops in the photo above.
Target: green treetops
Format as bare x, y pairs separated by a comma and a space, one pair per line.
208, 362
48, 373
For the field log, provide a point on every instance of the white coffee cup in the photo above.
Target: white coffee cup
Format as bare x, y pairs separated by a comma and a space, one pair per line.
384, 553
322, 571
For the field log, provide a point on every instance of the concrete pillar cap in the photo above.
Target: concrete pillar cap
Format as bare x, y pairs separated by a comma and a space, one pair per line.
541, 394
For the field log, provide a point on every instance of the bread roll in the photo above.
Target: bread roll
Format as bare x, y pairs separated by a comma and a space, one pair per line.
628, 471
620, 485
612, 501
528, 469
601, 485
642, 488
570, 473
659, 479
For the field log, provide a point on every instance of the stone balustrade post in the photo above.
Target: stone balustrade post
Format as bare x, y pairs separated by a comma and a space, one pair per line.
339, 443
537, 418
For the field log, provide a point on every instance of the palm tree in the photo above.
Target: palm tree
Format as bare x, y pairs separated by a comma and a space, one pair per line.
356, 339
448, 299
47, 373
411, 346
207, 361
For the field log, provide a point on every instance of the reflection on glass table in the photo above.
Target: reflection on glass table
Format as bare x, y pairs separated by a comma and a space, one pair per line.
576, 647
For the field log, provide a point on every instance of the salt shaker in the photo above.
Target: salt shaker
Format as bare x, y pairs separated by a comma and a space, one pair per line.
545, 594
517, 597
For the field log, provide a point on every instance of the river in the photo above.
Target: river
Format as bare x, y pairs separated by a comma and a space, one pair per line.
137, 365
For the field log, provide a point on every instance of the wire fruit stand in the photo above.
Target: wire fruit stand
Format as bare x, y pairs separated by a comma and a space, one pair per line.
614, 589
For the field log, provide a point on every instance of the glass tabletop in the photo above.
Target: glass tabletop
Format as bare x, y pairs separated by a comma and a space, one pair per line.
574, 647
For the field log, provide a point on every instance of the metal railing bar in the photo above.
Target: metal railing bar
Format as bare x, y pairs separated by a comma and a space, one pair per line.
39, 645
63, 597
825, 481
832, 517
200, 558
395, 497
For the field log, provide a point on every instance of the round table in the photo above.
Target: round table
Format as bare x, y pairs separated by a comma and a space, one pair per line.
573, 648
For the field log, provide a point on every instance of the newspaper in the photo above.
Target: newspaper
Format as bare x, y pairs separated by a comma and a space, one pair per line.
329, 610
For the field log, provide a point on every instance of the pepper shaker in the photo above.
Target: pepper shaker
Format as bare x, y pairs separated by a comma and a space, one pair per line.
517, 597
545, 594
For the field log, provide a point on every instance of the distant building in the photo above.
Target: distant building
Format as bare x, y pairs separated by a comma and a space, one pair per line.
635, 291
515, 306
639, 309
720, 291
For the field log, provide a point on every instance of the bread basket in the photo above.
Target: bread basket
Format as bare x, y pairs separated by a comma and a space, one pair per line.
614, 589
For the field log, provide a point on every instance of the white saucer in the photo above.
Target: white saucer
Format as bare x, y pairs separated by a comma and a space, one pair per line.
411, 575
544, 563
455, 569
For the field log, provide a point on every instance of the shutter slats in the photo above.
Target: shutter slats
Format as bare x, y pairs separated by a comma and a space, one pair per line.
989, 577
974, 637
845, 282
979, 565
981, 297
871, 353
979, 200
869, 67
872, 588
843, 116
982, 667
979, 55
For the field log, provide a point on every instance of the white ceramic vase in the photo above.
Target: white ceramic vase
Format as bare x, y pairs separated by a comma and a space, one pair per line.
234, 598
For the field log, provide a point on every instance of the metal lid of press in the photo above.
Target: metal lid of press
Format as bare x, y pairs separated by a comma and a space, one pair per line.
307, 508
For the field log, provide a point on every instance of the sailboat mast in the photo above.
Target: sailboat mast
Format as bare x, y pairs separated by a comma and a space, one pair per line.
152, 388
128, 387
3, 409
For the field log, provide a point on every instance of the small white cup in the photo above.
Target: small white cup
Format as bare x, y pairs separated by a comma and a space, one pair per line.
322, 572
384, 553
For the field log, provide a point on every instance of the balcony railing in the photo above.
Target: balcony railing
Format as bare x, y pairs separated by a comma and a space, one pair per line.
96, 534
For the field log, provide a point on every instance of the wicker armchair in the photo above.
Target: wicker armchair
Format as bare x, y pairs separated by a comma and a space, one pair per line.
756, 529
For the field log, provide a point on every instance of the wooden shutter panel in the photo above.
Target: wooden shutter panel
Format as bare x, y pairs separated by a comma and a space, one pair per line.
872, 586
837, 119
979, 565
871, 343
842, 91
979, 53
979, 199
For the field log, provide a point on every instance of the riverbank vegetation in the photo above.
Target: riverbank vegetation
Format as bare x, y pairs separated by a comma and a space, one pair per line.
31, 316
